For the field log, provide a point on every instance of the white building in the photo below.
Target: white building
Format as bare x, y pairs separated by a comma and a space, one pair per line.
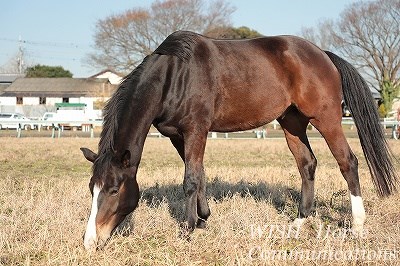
35, 96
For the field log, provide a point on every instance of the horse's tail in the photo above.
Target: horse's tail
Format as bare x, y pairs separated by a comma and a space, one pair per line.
358, 98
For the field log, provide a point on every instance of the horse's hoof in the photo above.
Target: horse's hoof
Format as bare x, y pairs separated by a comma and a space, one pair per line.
201, 223
358, 230
185, 231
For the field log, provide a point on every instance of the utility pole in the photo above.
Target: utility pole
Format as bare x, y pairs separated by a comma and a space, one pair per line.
20, 60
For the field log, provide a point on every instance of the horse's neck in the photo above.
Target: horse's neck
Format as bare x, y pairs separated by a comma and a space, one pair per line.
141, 108
133, 130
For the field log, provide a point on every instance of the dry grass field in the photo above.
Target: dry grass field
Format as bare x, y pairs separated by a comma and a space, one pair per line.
253, 190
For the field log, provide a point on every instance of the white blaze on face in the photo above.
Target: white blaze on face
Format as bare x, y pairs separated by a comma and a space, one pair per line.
357, 209
90, 240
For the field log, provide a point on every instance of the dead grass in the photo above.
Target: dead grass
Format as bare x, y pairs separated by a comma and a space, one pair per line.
253, 185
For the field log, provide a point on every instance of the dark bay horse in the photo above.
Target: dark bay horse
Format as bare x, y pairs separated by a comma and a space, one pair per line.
191, 85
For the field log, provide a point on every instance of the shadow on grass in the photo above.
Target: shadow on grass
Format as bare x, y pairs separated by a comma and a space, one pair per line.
284, 199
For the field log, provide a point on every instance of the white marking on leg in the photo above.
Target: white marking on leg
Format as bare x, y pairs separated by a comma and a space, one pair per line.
298, 222
90, 240
358, 211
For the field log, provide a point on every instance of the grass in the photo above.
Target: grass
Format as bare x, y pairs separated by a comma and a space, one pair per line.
253, 192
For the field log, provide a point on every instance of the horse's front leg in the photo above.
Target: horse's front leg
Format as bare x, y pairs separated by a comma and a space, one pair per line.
203, 211
194, 184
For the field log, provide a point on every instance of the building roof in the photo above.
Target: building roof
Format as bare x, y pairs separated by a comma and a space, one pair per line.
3, 87
108, 70
60, 87
114, 77
9, 78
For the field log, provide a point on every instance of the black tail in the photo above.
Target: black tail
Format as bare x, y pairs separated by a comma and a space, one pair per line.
358, 98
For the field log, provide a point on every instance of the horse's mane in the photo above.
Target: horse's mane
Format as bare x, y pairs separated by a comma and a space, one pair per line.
115, 106
111, 118
179, 44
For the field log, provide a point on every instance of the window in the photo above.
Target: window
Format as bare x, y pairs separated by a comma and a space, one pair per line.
20, 100
42, 100
65, 100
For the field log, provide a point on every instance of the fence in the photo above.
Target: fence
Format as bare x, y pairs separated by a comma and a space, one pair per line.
58, 127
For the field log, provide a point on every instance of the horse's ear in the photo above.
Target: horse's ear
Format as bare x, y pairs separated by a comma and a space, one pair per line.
89, 155
126, 159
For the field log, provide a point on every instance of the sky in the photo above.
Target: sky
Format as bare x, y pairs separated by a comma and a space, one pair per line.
60, 33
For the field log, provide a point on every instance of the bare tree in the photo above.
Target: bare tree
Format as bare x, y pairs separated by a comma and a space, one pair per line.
13, 65
121, 41
368, 35
242, 32
320, 35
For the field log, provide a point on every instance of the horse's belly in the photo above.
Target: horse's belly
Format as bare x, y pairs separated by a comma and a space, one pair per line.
238, 117
231, 126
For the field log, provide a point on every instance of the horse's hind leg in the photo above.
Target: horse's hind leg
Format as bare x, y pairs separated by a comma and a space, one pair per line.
331, 129
294, 125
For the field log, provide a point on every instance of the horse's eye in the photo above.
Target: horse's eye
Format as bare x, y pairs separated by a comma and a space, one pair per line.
114, 191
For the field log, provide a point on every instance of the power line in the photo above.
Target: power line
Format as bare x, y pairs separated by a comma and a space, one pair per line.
48, 44
57, 52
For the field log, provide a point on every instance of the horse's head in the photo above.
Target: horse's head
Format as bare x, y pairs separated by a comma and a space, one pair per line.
115, 194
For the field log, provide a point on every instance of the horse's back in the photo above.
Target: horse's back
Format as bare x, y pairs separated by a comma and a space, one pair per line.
255, 81
243, 84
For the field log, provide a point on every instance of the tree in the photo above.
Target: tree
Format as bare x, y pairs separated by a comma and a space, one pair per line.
14, 65
232, 33
368, 35
42, 71
122, 40
320, 35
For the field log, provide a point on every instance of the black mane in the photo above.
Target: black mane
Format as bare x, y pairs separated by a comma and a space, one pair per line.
111, 116
179, 44
115, 106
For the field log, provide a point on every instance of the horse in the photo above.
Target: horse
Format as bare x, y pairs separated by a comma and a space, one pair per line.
192, 84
